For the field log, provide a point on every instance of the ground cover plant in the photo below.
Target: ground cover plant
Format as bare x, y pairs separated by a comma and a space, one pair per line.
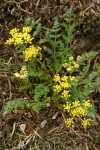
52, 73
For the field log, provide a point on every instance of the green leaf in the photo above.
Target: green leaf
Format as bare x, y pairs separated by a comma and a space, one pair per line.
37, 106
91, 112
17, 103
40, 91
37, 30
88, 55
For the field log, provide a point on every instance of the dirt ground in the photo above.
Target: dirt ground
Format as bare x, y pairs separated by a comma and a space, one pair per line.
24, 129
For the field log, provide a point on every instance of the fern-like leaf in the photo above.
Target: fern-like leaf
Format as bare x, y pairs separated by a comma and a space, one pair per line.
17, 103
41, 90
88, 56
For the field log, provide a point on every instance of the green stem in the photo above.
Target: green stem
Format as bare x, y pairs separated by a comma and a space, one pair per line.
42, 65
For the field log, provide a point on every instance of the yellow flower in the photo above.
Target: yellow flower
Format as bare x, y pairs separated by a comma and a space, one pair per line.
65, 84
17, 75
23, 76
75, 104
71, 58
23, 70
72, 78
76, 65
57, 88
65, 65
13, 31
23, 73
56, 78
70, 122
18, 41
20, 76
30, 52
27, 38
87, 103
64, 78
67, 107
78, 112
65, 94
26, 29
20, 37
86, 122
10, 41
69, 69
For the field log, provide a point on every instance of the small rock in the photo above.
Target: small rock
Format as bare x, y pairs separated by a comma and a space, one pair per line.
43, 123
56, 115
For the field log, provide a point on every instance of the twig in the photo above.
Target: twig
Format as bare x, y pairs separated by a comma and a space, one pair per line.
86, 10
52, 130
95, 61
63, 117
37, 134
37, 3
14, 125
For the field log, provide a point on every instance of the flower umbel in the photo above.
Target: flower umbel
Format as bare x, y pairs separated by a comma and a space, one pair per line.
19, 37
23, 73
79, 110
86, 122
71, 65
65, 94
57, 88
30, 52
67, 107
56, 78
70, 122
87, 103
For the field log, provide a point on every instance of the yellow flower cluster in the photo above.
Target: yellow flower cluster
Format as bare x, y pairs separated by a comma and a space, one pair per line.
87, 103
23, 73
70, 122
18, 37
71, 65
23, 37
78, 109
30, 52
56, 78
72, 78
62, 85
57, 88
65, 94
78, 112
86, 122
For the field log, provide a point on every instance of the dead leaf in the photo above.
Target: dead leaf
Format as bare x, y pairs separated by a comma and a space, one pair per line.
22, 128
